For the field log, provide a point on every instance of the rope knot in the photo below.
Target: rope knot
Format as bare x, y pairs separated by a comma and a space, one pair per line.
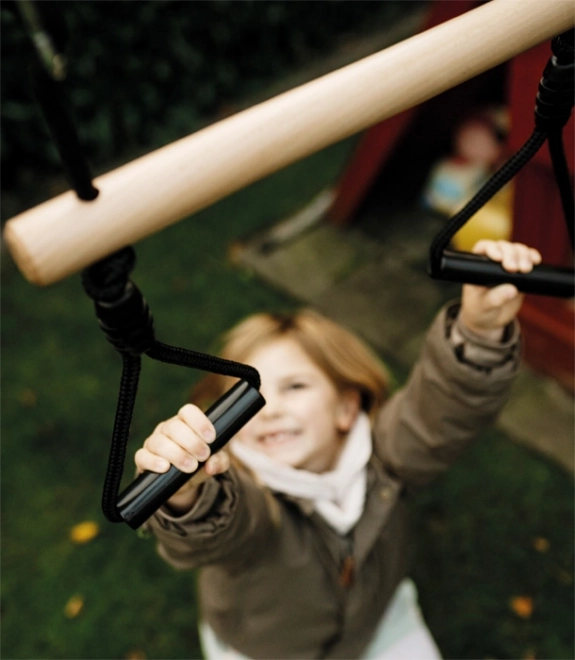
106, 279
123, 313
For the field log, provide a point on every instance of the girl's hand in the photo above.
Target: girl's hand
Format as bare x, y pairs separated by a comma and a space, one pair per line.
183, 441
486, 311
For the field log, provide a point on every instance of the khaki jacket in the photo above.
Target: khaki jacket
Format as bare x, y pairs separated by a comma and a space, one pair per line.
276, 581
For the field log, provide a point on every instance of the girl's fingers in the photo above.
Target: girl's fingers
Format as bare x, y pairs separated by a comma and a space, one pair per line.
510, 260
490, 249
178, 431
178, 444
512, 256
217, 463
146, 460
535, 256
197, 420
164, 448
529, 257
181, 441
501, 295
520, 257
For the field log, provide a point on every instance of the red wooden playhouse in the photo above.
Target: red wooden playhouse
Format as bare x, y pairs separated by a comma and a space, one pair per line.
537, 216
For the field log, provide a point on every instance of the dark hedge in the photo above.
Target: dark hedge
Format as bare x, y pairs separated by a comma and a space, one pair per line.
142, 73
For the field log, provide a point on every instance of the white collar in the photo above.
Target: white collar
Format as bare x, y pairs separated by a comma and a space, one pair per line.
338, 495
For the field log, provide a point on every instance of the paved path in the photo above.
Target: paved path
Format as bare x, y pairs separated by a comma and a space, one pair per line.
379, 289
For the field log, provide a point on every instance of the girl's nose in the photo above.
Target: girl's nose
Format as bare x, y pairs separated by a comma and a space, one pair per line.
273, 405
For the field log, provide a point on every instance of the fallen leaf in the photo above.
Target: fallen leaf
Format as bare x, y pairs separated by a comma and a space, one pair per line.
236, 251
522, 606
28, 398
564, 577
74, 606
529, 655
84, 531
541, 544
135, 654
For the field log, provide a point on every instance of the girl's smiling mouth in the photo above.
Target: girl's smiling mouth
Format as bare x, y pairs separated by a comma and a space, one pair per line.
277, 437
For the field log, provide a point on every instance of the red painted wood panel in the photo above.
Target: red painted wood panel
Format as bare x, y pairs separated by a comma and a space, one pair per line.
377, 143
548, 323
375, 147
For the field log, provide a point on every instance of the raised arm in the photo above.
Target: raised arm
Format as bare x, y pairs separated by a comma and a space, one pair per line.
485, 311
462, 379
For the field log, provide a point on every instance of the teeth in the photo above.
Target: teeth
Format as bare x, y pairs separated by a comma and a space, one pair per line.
276, 438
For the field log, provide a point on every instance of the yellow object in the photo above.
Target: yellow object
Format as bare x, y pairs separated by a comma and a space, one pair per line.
84, 532
493, 221
522, 606
74, 606
541, 544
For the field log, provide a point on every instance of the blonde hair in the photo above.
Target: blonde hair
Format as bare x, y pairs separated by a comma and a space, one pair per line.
342, 356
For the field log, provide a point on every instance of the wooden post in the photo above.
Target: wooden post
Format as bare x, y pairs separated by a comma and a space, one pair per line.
63, 235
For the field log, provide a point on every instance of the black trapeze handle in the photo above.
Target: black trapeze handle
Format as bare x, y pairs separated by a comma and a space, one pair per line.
148, 492
471, 268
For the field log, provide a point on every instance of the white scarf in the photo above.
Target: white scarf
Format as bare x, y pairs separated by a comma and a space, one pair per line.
338, 495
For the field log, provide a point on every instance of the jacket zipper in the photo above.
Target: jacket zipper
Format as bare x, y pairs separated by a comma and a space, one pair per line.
347, 570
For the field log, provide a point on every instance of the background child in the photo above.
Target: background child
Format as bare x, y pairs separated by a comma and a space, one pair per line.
302, 535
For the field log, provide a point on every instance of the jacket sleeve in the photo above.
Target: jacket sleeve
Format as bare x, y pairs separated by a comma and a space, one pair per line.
232, 517
455, 391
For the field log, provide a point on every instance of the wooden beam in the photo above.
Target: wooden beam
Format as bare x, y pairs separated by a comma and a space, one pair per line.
64, 234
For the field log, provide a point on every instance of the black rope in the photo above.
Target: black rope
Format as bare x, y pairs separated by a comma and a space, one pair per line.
215, 365
50, 98
553, 107
563, 179
105, 280
48, 32
127, 323
131, 365
489, 189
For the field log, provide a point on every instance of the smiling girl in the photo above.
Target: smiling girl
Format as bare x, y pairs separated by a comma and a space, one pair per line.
300, 530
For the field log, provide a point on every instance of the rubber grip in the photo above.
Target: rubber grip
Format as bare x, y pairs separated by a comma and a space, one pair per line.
477, 269
148, 492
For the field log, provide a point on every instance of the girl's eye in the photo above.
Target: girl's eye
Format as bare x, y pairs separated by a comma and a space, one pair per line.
296, 386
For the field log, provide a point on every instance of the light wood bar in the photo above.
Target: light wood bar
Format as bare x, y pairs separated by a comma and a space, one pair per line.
63, 235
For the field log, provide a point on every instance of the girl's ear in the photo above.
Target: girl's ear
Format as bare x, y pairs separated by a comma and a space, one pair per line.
347, 410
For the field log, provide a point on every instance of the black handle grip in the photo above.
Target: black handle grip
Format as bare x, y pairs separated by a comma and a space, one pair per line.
150, 490
477, 269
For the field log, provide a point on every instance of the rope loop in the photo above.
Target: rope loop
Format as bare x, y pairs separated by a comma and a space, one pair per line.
553, 107
124, 317
554, 101
121, 309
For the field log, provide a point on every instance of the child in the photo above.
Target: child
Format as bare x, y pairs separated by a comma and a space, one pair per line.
301, 532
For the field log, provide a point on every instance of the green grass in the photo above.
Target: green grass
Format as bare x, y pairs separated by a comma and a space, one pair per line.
475, 526
477, 549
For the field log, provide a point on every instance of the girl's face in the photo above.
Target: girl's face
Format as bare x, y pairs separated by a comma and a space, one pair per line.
305, 417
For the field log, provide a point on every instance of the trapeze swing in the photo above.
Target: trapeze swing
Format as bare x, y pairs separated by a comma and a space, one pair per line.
82, 223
